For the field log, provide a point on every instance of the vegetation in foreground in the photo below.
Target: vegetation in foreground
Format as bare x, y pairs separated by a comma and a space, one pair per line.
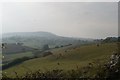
97, 71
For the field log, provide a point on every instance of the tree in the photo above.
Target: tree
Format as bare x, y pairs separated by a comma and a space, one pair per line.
46, 47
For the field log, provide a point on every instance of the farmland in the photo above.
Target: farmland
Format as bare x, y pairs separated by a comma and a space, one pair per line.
66, 58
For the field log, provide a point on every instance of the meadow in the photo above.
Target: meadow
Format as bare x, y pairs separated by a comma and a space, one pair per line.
66, 58
10, 57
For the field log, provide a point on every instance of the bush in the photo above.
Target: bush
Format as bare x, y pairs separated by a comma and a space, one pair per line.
45, 47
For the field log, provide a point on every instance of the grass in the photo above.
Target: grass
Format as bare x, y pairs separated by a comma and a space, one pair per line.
73, 58
0, 55
0, 60
18, 55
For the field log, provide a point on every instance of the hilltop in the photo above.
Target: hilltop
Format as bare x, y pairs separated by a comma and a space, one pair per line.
29, 34
38, 39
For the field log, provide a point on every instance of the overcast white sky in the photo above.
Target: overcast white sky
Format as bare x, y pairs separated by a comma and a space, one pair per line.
73, 19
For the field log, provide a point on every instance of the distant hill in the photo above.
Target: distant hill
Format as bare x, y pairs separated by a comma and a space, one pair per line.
29, 34
15, 48
39, 39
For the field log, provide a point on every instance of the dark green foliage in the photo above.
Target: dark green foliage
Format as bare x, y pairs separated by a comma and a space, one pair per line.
111, 39
56, 46
111, 69
61, 46
118, 39
47, 54
45, 47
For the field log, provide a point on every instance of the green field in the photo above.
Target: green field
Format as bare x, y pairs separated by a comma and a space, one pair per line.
70, 58
0, 60
9, 57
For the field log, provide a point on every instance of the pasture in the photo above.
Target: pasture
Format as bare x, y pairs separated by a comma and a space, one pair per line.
66, 59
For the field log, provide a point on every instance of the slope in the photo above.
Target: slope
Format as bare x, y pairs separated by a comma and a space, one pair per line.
66, 58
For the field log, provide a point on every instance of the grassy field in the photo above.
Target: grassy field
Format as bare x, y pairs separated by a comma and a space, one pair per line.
66, 58
0, 60
15, 56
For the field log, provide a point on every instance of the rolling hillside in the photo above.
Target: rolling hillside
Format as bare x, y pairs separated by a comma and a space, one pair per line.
13, 48
38, 39
66, 58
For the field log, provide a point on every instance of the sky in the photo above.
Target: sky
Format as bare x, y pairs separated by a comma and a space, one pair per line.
71, 19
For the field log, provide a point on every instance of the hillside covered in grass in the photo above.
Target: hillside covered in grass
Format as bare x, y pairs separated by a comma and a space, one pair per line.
66, 58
